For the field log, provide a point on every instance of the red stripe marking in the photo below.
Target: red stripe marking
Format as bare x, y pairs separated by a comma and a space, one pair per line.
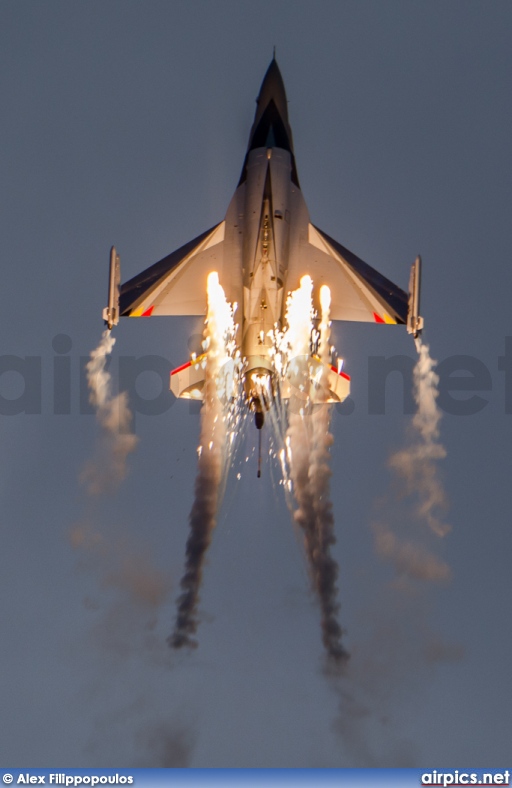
183, 366
378, 319
341, 374
148, 312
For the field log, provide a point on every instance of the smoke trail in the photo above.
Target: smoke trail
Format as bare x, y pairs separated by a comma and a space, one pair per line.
417, 464
115, 418
167, 745
308, 441
125, 600
130, 591
319, 477
125, 604
393, 656
410, 560
214, 448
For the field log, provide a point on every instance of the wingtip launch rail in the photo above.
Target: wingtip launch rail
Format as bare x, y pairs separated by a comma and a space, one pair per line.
111, 312
415, 322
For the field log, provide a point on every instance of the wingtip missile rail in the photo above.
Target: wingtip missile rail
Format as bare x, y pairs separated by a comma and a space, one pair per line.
415, 322
111, 312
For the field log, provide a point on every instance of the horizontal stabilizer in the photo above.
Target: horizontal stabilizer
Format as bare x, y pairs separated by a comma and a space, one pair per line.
187, 381
310, 380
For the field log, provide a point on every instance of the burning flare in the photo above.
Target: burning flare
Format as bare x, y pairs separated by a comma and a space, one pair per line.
308, 443
218, 415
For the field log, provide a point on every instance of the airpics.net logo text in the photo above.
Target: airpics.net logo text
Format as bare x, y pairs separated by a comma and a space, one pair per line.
454, 778
33, 385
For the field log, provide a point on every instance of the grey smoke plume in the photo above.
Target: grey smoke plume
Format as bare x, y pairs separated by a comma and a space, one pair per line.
394, 659
167, 746
417, 464
308, 440
135, 722
131, 590
416, 468
125, 608
214, 446
409, 559
114, 417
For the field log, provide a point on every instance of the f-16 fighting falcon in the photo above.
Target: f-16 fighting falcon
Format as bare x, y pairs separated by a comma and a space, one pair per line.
261, 250
285, 280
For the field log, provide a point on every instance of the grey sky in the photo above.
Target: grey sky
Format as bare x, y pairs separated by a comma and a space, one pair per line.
126, 123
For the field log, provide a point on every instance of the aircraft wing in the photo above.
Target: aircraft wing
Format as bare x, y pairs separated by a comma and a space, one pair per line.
358, 292
176, 285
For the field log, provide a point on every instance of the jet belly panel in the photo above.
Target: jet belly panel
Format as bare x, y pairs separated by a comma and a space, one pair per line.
280, 174
265, 249
257, 166
299, 221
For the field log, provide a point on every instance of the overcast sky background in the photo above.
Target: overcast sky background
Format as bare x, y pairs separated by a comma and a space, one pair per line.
126, 123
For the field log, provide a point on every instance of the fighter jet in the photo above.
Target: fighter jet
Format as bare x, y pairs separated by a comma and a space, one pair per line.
261, 250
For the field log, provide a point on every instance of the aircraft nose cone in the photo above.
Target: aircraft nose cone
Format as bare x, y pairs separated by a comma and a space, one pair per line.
271, 127
272, 89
